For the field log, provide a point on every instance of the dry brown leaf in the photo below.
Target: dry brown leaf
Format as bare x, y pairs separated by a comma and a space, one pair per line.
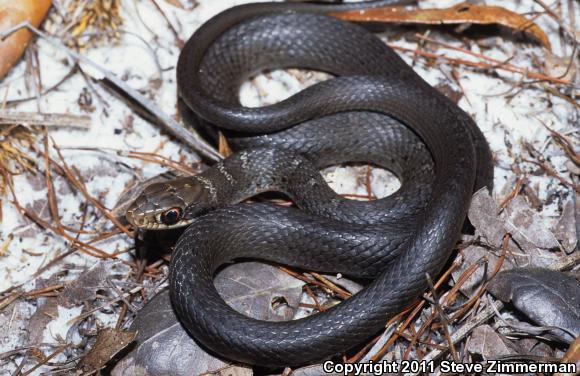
109, 343
486, 342
224, 146
86, 285
463, 13
11, 14
483, 214
565, 228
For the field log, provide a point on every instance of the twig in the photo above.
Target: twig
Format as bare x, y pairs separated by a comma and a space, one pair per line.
444, 319
340, 292
567, 262
330, 285
44, 290
313, 296
8, 300
514, 192
48, 120
159, 159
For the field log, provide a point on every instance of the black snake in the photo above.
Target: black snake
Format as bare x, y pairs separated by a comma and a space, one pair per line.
375, 110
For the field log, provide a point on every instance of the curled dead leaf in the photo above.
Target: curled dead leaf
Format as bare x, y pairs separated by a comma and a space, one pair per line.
485, 341
463, 13
11, 14
109, 343
87, 284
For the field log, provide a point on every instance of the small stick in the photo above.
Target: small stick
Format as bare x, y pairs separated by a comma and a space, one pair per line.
52, 201
331, 285
35, 119
514, 192
337, 291
313, 296
567, 262
8, 300
44, 290
443, 317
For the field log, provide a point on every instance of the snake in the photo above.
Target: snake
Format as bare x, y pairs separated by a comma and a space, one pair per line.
374, 109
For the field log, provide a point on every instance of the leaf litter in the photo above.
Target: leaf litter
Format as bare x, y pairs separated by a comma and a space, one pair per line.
57, 300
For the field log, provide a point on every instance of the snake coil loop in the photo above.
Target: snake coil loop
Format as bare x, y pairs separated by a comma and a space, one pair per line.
375, 110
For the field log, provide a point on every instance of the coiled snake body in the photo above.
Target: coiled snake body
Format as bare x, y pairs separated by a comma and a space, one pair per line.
375, 110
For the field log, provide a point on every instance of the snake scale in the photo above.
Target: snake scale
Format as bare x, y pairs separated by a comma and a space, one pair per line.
376, 110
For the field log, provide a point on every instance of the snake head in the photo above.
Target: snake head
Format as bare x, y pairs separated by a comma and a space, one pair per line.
172, 204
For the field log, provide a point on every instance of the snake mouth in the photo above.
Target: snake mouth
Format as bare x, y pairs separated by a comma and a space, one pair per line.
138, 221
161, 226
152, 222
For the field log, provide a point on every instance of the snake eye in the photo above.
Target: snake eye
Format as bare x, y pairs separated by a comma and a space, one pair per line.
171, 216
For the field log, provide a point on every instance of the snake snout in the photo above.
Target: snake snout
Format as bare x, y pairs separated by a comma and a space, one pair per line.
137, 219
